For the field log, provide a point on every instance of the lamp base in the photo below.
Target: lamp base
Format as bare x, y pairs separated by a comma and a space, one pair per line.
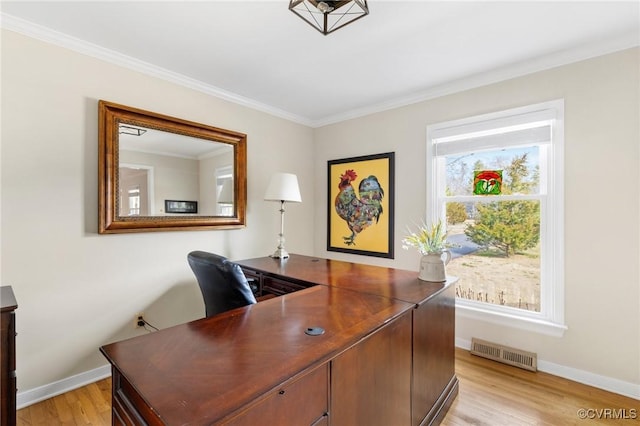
280, 253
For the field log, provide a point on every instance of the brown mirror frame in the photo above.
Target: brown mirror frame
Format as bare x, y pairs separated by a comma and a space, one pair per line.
110, 116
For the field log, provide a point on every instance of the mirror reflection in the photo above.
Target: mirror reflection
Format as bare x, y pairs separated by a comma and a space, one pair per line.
163, 173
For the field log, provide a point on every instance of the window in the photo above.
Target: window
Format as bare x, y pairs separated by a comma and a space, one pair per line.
224, 191
496, 181
134, 201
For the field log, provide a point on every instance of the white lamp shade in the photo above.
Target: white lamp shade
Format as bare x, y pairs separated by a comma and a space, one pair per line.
283, 187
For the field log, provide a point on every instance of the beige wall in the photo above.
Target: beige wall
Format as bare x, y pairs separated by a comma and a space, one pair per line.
602, 137
76, 289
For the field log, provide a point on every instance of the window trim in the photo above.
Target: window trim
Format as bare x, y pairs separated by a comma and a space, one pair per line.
550, 320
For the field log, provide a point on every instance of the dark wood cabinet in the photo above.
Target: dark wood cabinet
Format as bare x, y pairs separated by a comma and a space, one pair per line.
303, 402
434, 381
127, 405
8, 305
371, 382
385, 357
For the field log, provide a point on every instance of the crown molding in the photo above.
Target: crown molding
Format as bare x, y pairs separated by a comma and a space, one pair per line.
18, 25
530, 66
556, 59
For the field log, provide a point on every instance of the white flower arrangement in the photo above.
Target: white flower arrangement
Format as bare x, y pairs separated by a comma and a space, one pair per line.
428, 239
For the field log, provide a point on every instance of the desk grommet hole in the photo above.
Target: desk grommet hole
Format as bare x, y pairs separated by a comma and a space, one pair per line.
314, 331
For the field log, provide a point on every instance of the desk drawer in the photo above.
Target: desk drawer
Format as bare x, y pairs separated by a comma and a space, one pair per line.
279, 287
128, 407
303, 402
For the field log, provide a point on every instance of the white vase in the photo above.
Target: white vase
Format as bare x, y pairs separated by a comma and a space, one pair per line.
432, 266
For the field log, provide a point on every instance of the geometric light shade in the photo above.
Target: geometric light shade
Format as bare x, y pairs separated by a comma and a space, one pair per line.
328, 16
283, 187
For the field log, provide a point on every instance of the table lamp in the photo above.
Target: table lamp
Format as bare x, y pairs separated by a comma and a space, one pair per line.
282, 187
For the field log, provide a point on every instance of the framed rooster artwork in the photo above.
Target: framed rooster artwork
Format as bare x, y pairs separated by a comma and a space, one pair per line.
360, 205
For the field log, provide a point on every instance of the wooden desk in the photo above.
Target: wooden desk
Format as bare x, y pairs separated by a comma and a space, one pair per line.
434, 384
256, 365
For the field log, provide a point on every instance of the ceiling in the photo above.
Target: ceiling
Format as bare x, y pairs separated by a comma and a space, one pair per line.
262, 55
159, 142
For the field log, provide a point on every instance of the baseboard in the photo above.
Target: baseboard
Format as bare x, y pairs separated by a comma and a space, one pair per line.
609, 384
31, 396
603, 382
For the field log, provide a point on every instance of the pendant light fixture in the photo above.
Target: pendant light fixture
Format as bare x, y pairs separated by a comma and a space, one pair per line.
328, 16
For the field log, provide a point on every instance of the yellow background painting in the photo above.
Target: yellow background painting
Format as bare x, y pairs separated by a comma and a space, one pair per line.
374, 238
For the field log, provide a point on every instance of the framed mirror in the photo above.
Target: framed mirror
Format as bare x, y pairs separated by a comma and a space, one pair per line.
161, 173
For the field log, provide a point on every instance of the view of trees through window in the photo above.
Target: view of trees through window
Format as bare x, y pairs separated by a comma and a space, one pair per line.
495, 238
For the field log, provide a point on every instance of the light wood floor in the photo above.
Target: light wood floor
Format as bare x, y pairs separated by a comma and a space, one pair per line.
495, 394
491, 394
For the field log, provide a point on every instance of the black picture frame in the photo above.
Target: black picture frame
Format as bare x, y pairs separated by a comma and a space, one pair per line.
361, 222
180, 206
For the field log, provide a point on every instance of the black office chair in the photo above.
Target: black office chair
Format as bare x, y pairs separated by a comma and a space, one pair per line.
222, 282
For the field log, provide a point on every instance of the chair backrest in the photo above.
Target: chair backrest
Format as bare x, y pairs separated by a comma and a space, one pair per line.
222, 282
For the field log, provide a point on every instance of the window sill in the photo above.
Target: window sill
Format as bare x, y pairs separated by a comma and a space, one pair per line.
535, 325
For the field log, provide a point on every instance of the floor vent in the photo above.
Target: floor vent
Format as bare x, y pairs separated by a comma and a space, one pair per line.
504, 354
